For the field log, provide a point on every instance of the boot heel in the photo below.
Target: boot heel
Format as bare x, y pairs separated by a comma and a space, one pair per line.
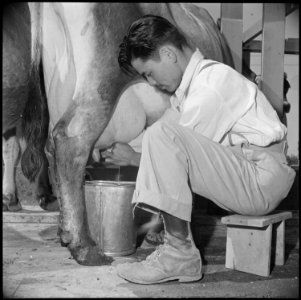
190, 278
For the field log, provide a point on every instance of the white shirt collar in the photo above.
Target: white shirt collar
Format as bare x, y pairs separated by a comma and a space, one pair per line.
195, 59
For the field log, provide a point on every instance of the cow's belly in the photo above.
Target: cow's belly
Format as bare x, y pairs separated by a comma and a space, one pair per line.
16, 63
139, 106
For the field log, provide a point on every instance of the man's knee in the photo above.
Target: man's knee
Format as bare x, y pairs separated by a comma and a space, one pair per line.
160, 129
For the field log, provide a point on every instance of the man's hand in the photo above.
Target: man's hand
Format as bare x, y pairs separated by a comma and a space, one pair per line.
122, 154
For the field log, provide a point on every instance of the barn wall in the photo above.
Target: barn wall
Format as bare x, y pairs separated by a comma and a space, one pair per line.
252, 12
291, 67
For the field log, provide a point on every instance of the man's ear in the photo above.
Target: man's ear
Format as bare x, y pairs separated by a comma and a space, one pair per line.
168, 53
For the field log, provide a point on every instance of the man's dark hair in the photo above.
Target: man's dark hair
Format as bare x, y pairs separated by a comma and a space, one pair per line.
144, 37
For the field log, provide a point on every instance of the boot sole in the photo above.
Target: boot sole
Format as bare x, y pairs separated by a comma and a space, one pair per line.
182, 279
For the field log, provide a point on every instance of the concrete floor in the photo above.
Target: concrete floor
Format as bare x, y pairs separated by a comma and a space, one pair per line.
36, 266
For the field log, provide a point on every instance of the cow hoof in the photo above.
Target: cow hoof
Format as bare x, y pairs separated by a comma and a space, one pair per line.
66, 237
85, 251
48, 202
10, 202
63, 240
90, 256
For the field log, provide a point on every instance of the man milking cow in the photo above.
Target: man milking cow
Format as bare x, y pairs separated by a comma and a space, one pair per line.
77, 82
221, 139
82, 83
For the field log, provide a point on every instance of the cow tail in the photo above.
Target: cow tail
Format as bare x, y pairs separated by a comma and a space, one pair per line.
35, 117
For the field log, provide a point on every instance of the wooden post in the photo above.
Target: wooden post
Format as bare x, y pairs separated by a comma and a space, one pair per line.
273, 40
232, 28
280, 243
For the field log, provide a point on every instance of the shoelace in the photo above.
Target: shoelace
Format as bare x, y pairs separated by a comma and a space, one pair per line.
155, 255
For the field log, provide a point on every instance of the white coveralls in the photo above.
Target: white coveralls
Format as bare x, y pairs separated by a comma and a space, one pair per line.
226, 143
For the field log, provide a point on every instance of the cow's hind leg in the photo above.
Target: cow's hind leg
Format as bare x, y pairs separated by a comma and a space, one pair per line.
74, 136
10, 154
44, 193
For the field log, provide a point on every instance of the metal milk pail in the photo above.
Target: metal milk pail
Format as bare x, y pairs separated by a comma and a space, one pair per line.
110, 218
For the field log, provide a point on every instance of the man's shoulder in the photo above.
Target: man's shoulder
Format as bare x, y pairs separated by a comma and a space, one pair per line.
210, 63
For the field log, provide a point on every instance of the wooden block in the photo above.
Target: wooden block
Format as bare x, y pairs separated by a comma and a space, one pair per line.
249, 242
256, 221
249, 249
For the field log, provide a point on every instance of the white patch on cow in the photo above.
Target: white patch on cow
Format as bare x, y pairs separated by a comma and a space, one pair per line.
81, 26
76, 125
83, 32
66, 53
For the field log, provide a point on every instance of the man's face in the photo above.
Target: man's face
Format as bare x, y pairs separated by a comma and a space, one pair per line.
161, 73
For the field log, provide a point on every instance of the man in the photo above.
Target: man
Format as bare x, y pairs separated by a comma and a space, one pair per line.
221, 139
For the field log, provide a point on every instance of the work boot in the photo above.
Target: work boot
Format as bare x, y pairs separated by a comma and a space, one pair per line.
176, 259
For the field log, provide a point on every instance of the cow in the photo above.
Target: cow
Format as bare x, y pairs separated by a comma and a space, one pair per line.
75, 76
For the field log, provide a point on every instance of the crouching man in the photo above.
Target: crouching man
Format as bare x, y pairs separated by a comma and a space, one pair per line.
222, 139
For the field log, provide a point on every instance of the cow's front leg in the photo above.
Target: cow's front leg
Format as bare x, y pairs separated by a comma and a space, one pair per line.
74, 136
10, 155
